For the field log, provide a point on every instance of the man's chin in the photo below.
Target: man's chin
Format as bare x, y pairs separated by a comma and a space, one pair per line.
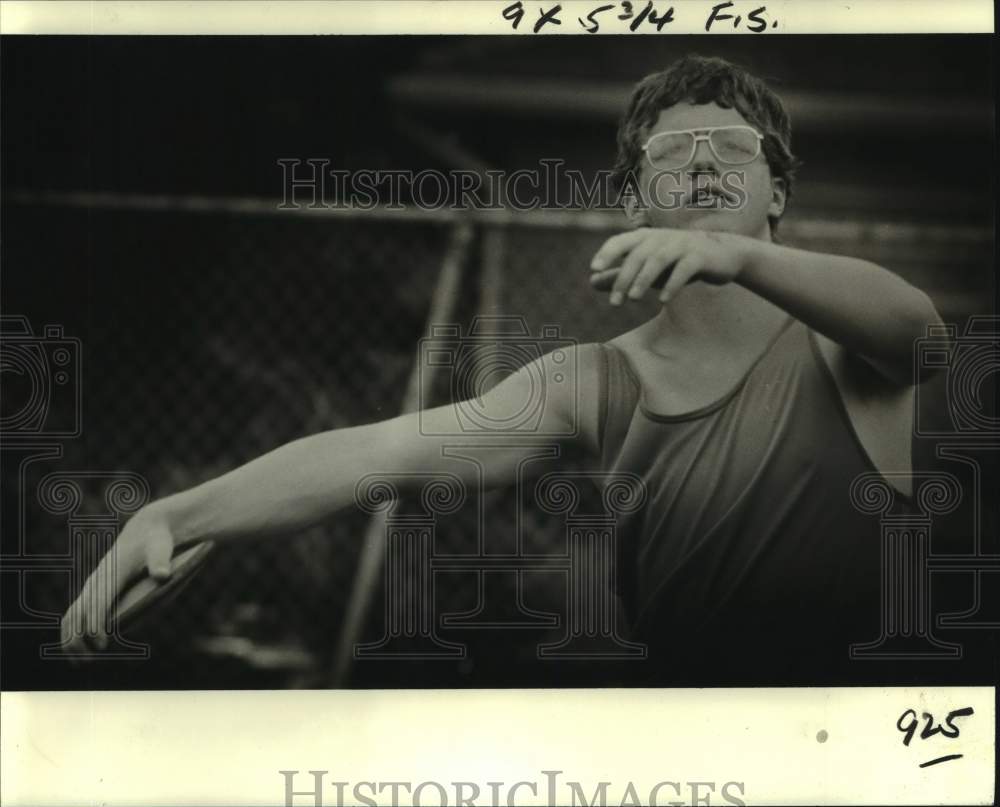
711, 220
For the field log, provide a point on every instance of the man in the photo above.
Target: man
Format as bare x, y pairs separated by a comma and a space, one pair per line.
769, 380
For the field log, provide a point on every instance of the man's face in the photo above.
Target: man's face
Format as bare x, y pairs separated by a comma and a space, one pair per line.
689, 197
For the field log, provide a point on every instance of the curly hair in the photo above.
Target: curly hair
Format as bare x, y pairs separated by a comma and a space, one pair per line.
703, 80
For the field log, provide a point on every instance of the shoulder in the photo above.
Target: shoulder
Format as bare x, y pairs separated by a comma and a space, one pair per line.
630, 347
575, 372
565, 369
574, 384
583, 357
630, 341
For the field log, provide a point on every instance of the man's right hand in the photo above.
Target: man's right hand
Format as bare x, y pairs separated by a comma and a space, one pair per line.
146, 543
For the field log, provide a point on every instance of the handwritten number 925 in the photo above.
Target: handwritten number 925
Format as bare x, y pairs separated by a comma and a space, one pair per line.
908, 724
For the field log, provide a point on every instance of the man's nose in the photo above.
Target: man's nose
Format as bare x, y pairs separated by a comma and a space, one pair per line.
704, 160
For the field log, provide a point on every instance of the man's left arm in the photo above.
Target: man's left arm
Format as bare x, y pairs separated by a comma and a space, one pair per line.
870, 312
867, 310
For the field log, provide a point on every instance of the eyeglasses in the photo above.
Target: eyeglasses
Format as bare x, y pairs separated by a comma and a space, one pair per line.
733, 145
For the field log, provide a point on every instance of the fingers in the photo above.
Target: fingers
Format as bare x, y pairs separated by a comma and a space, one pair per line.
684, 271
83, 626
653, 268
664, 260
626, 279
88, 621
612, 251
158, 555
97, 598
71, 628
629, 270
603, 280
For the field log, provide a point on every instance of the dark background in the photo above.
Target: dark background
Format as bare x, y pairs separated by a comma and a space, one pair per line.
209, 337
898, 125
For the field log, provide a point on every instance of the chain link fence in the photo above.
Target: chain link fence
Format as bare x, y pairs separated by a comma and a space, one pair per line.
213, 331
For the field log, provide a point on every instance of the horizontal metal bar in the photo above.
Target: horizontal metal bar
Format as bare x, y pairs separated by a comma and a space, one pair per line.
595, 221
918, 116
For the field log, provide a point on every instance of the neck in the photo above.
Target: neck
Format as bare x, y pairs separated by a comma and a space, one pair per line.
705, 315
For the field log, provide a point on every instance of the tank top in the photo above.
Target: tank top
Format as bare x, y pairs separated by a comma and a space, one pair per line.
747, 561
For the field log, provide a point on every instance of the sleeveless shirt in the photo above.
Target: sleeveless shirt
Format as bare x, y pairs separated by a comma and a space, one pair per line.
747, 561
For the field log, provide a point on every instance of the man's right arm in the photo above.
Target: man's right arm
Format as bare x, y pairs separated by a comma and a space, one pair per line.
308, 480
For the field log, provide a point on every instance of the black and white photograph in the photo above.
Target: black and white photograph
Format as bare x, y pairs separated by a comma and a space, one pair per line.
502, 362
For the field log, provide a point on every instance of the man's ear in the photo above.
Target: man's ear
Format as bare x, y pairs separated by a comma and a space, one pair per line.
779, 195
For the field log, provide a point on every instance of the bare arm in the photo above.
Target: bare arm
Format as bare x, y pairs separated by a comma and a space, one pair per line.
308, 480
867, 310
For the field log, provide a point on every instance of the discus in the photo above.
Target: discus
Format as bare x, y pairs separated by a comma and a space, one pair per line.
144, 593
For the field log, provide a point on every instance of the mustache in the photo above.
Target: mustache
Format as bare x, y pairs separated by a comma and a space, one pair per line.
679, 189
708, 189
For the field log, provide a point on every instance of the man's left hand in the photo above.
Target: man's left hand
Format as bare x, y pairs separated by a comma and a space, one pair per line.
631, 263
